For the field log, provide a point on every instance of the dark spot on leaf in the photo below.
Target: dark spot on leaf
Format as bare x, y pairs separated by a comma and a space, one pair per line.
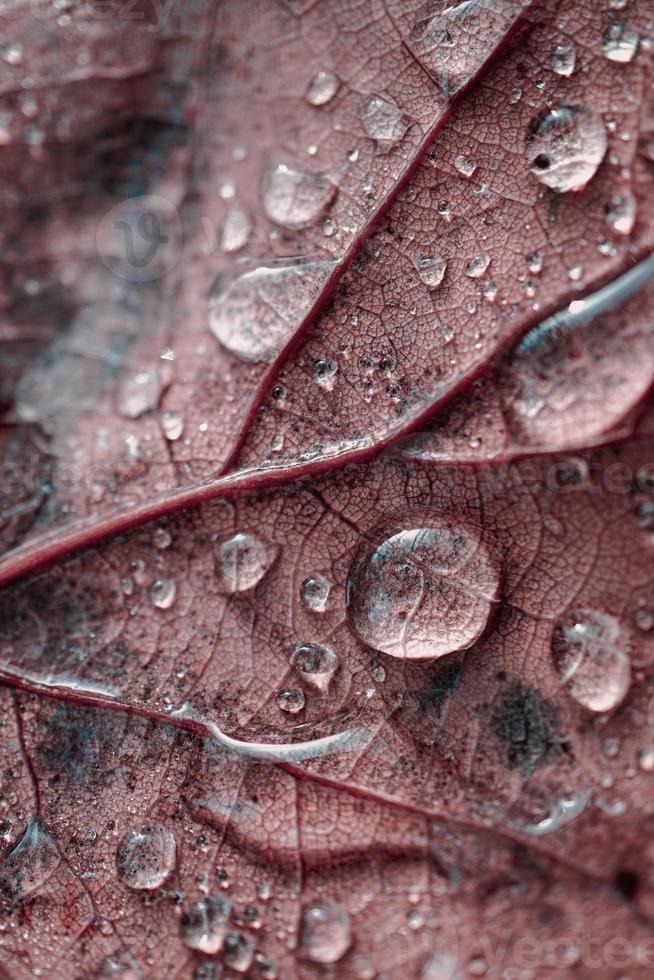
526, 724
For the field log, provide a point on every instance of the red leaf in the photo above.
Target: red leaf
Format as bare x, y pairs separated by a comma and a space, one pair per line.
321, 655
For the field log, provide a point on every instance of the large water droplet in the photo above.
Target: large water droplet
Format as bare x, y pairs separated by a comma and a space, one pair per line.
590, 656
146, 856
452, 39
204, 926
316, 663
431, 269
619, 43
254, 314
322, 88
139, 394
565, 147
314, 592
384, 121
325, 932
422, 593
242, 561
293, 198
564, 59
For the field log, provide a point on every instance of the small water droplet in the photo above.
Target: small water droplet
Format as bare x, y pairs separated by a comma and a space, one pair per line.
325, 931
293, 198
378, 675
325, 371
619, 43
12, 53
322, 88
590, 656
161, 538
238, 952
236, 230
328, 228
139, 394
172, 425
314, 592
621, 214
646, 758
565, 146
290, 700
316, 663
564, 59
242, 561
644, 620
535, 263
204, 925
383, 121
252, 315
422, 593
163, 593
477, 266
146, 856
431, 269
465, 165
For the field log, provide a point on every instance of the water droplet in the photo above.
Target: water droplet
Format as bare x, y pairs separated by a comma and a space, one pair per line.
535, 263
431, 269
316, 663
621, 214
254, 314
314, 592
204, 926
328, 228
325, 932
161, 538
325, 371
646, 758
452, 39
383, 121
565, 147
644, 620
290, 700
163, 593
564, 59
146, 856
619, 43
422, 593
590, 657
293, 198
172, 425
322, 88
236, 230
477, 266
242, 561
465, 166
12, 53
139, 394
378, 675
238, 952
